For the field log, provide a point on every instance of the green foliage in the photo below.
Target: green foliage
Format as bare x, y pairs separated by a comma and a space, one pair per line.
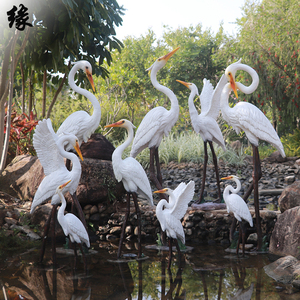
291, 143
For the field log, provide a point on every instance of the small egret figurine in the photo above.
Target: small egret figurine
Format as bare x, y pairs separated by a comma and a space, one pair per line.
71, 225
247, 117
205, 124
170, 213
134, 179
238, 207
156, 124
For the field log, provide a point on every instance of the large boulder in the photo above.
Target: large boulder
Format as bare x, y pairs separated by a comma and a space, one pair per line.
290, 197
285, 239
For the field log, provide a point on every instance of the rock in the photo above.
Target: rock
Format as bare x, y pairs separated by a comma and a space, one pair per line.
97, 147
41, 214
22, 177
289, 179
282, 269
285, 236
290, 197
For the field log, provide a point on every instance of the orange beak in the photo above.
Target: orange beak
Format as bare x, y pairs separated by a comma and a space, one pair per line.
65, 184
233, 84
77, 148
90, 78
167, 56
187, 84
160, 191
226, 178
117, 124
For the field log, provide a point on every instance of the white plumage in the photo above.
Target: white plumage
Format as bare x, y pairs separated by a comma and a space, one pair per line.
80, 123
170, 213
156, 124
129, 170
246, 116
71, 225
50, 151
235, 203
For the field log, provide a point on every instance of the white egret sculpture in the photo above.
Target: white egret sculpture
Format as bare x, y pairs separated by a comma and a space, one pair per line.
169, 214
80, 123
71, 225
156, 124
238, 207
205, 123
133, 177
51, 153
247, 117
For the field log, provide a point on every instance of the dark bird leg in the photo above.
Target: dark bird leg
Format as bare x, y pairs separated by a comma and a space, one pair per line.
124, 225
239, 239
46, 231
53, 222
79, 209
256, 176
204, 173
83, 258
158, 171
138, 212
216, 169
178, 250
170, 253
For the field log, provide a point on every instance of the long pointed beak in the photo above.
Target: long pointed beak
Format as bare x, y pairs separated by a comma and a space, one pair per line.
226, 178
160, 191
90, 78
233, 85
167, 56
77, 148
187, 84
116, 124
65, 184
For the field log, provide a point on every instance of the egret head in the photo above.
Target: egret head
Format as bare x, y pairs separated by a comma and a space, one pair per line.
230, 75
163, 191
160, 62
86, 67
122, 123
73, 140
189, 85
62, 186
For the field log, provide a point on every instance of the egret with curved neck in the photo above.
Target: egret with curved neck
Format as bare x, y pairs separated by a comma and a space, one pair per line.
247, 117
133, 177
169, 214
80, 123
238, 207
205, 123
157, 123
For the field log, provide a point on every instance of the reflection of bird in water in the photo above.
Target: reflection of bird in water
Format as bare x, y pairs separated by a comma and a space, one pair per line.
156, 124
80, 123
243, 294
133, 177
238, 207
170, 213
71, 225
205, 124
50, 151
247, 117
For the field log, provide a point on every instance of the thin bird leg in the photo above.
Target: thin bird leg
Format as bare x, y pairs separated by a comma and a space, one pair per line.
239, 238
256, 176
170, 252
243, 226
178, 250
216, 169
46, 231
204, 173
75, 253
158, 171
53, 222
138, 212
124, 226
83, 257
152, 175
79, 209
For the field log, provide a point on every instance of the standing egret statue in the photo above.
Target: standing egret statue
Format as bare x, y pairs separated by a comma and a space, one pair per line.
134, 179
80, 123
51, 153
170, 213
247, 117
156, 124
205, 124
71, 225
238, 207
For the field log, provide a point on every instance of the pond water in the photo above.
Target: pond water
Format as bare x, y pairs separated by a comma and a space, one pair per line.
206, 272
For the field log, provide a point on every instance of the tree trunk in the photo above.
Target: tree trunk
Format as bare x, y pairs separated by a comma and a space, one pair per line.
23, 87
44, 94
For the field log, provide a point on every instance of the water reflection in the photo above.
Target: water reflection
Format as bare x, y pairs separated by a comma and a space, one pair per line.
205, 273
